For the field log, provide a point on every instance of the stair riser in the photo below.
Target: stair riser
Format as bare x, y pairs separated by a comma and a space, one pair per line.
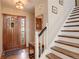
75, 34
75, 21
70, 48
73, 18
66, 36
74, 15
70, 28
76, 9
69, 40
66, 52
75, 12
75, 45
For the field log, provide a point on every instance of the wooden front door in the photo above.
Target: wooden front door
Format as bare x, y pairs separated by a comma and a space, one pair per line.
11, 32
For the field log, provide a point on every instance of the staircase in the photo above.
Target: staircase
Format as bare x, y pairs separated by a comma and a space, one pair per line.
66, 46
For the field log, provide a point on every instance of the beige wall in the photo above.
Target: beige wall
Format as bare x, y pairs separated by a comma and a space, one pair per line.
32, 28
29, 21
1, 26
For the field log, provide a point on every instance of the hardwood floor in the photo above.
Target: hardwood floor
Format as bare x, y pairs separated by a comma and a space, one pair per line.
22, 54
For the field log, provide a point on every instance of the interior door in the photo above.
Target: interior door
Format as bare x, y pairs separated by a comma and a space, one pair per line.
12, 36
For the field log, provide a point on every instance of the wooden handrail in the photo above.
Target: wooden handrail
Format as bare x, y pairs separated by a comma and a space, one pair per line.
42, 31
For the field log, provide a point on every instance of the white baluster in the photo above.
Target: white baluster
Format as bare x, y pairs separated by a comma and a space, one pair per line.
40, 45
36, 46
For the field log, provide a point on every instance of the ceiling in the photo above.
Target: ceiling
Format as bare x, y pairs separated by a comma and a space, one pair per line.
28, 4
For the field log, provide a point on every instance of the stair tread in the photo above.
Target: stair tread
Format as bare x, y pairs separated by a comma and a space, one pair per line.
69, 30
68, 36
74, 15
76, 9
71, 26
52, 56
73, 12
76, 6
73, 18
72, 21
66, 52
68, 43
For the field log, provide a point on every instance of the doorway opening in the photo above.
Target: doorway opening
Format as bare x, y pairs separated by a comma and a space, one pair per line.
14, 32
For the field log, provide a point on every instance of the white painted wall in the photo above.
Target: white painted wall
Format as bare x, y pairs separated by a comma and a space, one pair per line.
41, 8
55, 21
1, 26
